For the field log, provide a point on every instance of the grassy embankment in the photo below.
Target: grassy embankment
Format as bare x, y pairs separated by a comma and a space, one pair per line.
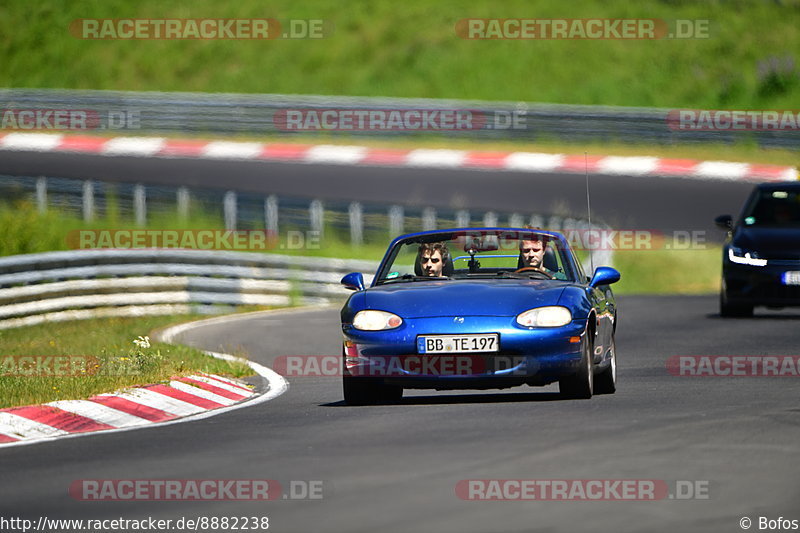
382, 48
102, 358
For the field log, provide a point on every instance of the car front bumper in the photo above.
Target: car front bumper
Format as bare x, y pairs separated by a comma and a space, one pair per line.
754, 285
534, 356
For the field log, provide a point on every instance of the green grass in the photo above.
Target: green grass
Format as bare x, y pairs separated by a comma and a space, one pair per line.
669, 271
111, 359
26, 231
410, 49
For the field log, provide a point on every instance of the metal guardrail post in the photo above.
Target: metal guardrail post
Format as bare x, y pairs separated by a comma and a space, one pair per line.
356, 213
316, 216
41, 194
140, 204
536, 221
462, 218
554, 223
229, 206
271, 215
88, 201
396, 221
182, 199
428, 219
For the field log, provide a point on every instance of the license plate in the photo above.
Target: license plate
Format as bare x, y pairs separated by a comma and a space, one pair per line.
791, 278
484, 342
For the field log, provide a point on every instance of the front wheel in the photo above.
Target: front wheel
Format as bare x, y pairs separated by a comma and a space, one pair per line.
581, 384
727, 309
369, 391
606, 381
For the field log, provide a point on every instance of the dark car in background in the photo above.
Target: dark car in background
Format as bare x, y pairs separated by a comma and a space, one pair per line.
761, 256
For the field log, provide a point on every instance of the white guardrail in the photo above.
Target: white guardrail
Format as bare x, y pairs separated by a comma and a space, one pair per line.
56, 286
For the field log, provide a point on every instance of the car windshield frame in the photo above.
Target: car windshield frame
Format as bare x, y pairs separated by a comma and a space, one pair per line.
570, 266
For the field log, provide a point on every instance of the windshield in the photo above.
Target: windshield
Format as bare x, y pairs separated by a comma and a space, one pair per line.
478, 255
773, 208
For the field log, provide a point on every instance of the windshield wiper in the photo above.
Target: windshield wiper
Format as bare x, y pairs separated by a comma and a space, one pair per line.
505, 275
412, 277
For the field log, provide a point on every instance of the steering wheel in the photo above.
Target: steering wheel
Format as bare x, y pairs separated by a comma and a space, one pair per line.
529, 269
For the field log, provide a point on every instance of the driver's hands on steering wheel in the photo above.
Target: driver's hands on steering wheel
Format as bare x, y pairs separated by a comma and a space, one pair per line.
534, 269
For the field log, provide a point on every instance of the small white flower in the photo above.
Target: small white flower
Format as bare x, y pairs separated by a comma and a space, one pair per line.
142, 342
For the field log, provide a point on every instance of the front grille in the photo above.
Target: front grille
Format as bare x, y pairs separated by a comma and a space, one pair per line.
791, 263
779, 292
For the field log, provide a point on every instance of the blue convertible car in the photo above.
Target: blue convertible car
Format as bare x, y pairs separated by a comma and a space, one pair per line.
479, 308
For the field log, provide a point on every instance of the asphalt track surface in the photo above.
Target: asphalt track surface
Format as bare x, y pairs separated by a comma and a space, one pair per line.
395, 468
623, 202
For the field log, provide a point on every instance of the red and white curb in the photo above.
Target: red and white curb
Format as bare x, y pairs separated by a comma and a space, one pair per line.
182, 400
419, 158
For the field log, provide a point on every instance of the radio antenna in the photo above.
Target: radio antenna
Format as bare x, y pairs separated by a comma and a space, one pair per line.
588, 208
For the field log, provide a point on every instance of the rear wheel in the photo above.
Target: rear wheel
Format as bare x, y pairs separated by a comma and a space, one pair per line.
369, 391
606, 381
727, 309
581, 384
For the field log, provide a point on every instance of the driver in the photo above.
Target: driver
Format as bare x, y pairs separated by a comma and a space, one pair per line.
531, 255
431, 259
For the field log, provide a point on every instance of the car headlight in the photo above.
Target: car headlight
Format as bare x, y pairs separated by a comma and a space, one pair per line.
372, 320
739, 256
545, 317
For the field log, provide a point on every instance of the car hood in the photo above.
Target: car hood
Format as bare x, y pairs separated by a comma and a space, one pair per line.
770, 243
421, 299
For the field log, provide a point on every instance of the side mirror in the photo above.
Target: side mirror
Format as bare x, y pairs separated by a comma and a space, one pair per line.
724, 222
604, 276
353, 281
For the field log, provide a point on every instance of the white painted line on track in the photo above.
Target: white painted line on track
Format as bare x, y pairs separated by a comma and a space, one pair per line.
21, 427
99, 413
224, 385
201, 393
162, 402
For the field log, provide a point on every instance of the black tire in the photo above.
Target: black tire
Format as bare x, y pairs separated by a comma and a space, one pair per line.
581, 384
606, 381
369, 391
727, 309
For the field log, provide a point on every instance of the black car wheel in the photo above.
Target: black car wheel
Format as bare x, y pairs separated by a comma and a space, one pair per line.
581, 384
606, 381
727, 309
369, 391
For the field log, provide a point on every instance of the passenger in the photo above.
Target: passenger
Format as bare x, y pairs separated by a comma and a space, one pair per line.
432, 259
